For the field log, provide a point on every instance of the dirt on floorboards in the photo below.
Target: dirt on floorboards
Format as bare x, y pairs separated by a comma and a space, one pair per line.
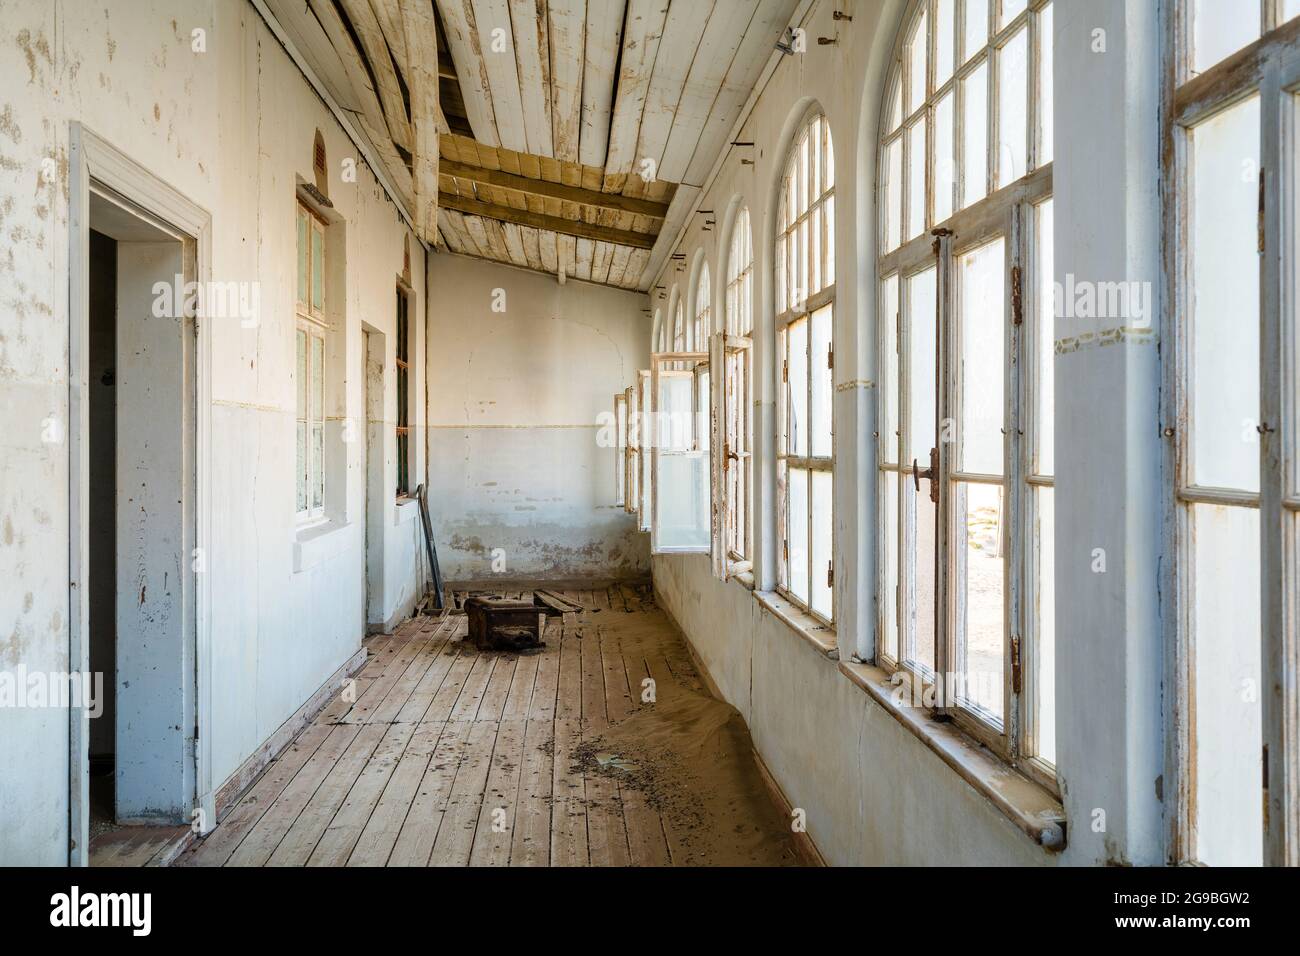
602, 748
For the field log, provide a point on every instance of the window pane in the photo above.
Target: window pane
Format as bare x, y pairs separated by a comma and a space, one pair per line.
797, 533
828, 254
893, 194
317, 378
682, 521
797, 388
977, 27
1225, 308
1013, 127
1010, 10
1290, 9
302, 466
945, 16
317, 466
317, 268
980, 581
889, 365
303, 377
980, 274
916, 159
823, 388
822, 498
1046, 384
1225, 598
1221, 28
1046, 110
945, 162
918, 553
975, 135
1044, 625
703, 404
916, 49
921, 353
302, 256
830, 158
889, 482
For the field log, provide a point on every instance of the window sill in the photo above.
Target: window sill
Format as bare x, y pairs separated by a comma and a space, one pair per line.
820, 636
744, 578
406, 510
1028, 805
317, 544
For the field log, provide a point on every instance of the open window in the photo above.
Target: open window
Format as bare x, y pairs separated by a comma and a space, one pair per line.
630, 461
679, 477
645, 443
620, 441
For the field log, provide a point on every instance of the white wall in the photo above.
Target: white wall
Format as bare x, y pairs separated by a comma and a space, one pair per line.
517, 399
875, 794
231, 128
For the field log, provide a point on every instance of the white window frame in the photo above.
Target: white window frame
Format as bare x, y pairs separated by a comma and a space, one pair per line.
693, 365
311, 323
732, 354
804, 248
1007, 213
621, 442
1269, 67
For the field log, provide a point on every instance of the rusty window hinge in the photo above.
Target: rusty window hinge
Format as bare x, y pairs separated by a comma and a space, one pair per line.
1260, 221
830, 574
1015, 663
785, 370
785, 550
830, 357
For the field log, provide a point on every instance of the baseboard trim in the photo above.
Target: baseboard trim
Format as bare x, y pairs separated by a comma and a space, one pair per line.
239, 781
804, 844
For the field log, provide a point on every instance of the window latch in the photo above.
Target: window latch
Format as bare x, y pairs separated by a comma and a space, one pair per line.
1015, 663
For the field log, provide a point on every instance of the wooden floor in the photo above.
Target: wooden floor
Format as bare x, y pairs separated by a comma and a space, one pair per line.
446, 756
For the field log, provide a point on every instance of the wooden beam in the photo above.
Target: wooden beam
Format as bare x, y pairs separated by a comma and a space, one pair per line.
567, 227
422, 82
367, 27
550, 190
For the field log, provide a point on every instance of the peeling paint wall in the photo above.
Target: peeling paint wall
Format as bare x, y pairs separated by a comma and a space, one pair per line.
231, 126
517, 400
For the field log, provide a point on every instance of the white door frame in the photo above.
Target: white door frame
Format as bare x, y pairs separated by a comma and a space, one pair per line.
91, 158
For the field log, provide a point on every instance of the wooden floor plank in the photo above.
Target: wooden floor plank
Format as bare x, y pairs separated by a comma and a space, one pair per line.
531, 836
375, 845
420, 828
456, 835
496, 821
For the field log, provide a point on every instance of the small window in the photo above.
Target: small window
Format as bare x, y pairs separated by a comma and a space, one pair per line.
620, 438
310, 337
679, 427
734, 359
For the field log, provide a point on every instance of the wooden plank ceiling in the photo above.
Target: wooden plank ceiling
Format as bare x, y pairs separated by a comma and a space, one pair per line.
550, 134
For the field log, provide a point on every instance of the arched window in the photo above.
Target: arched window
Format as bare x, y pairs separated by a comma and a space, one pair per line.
737, 427
966, 261
805, 303
702, 324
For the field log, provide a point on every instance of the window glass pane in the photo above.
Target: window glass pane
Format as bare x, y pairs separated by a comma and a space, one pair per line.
889, 364
1225, 307
895, 108
302, 256
302, 466
303, 377
1046, 110
980, 274
916, 159
977, 27
1220, 28
980, 581
797, 388
975, 136
945, 162
1013, 127
828, 256
682, 521
1225, 602
317, 268
797, 533
317, 378
823, 388
893, 194
815, 283
1046, 384
916, 49
1290, 9
889, 482
830, 158
945, 16
702, 406
1010, 10
821, 600
918, 594
317, 466
921, 353
1044, 624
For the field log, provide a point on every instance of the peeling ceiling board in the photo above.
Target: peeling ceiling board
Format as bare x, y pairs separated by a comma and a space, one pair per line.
535, 109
